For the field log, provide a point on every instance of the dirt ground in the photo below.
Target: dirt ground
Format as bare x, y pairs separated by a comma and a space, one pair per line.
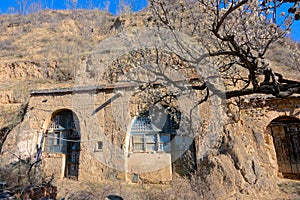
177, 189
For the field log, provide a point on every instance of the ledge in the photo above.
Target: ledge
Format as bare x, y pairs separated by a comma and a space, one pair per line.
85, 89
81, 89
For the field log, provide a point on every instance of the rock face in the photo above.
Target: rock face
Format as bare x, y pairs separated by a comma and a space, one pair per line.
27, 70
246, 160
238, 159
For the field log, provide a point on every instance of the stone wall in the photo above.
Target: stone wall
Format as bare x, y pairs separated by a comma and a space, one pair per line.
57, 160
97, 124
241, 159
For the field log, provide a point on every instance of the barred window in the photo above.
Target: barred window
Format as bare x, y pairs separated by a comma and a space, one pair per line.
64, 126
147, 137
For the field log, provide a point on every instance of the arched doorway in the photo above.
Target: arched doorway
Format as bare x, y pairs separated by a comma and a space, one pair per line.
286, 138
63, 137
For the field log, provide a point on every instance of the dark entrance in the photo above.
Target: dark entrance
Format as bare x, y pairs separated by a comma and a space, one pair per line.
286, 137
64, 138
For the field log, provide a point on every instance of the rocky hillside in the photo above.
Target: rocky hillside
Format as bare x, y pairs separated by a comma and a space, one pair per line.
49, 49
43, 50
46, 50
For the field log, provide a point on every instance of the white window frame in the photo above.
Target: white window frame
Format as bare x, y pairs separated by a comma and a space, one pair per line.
144, 143
97, 149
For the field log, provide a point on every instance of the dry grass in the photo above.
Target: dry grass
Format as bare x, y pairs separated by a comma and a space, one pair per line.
51, 35
179, 188
290, 187
285, 58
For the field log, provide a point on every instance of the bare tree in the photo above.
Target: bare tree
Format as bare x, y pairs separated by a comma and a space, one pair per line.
237, 35
35, 6
71, 4
22, 6
124, 7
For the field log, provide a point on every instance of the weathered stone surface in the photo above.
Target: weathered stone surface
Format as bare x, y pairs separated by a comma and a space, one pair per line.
151, 167
26, 70
53, 165
246, 160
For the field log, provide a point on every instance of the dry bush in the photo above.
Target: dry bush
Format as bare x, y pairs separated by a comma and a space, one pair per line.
179, 188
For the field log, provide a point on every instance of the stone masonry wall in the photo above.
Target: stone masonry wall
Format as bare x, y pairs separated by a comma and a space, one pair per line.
108, 124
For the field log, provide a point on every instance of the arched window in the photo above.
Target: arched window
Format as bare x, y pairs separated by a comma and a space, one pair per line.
64, 125
153, 132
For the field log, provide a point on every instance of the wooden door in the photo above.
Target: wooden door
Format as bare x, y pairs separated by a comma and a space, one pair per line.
72, 156
286, 138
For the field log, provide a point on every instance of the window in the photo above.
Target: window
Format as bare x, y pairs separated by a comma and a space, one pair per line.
55, 142
63, 127
147, 137
145, 142
164, 143
175, 120
142, 123
150, 142
56, 138
64, 120
99, 146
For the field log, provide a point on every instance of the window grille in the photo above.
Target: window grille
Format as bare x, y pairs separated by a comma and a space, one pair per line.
55, 122
146, 137
142, 123
63, 126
